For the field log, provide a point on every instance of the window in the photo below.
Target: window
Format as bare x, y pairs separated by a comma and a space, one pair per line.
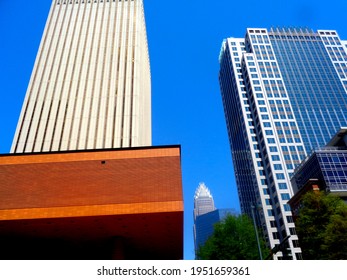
275, 157
282, 186
270, 212
292, 231
278, 166
285, 196
295, 243
286, 207
273, 149
280, 176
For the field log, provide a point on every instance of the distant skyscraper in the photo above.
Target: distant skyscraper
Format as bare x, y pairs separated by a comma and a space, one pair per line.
203, 200
284, 93
203, 203
90, 87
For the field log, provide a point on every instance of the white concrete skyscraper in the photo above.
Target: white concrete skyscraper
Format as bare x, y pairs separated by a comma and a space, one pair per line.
90, 87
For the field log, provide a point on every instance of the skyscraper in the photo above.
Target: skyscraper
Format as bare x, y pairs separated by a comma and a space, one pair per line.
203, 203
203, 200
86, 124
90, 87
284, 93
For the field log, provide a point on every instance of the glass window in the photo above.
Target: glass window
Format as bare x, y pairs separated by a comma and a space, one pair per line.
286, 207
278, 166
273, 149
275, 157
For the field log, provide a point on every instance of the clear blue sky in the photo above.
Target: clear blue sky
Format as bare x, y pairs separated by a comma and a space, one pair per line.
184, 42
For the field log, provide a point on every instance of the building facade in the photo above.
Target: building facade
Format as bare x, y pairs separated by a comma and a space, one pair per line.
90, 87
94, 204
284, 93
204, 224
327, 165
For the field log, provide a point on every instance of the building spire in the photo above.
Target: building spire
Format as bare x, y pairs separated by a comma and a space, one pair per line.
203, 200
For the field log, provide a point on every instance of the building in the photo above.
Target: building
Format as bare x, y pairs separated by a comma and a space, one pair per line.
206, 215
204, 224
90, 87
93, 204
82, 181
326, 167
284, 93
203, 201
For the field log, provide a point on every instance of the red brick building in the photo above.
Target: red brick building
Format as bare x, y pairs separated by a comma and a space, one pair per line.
94, 204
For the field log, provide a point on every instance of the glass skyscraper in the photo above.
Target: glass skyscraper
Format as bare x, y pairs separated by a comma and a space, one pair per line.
203, 203
284, 93
90, 87
204, 225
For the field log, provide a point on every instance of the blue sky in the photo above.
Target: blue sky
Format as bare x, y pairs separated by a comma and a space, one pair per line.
184, 42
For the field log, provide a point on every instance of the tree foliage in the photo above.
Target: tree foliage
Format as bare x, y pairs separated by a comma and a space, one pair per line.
322, 227
233, 239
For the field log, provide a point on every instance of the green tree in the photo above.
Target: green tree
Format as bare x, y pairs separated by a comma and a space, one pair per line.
322, 227
233, 239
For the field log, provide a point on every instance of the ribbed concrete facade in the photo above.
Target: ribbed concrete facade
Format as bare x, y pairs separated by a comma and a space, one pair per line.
90, 86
